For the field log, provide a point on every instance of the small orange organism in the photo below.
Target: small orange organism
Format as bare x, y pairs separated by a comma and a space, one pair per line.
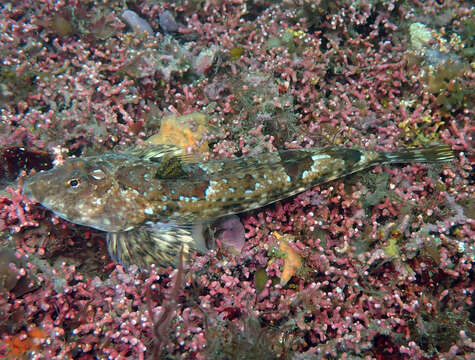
292, 260
26, 341
185, 131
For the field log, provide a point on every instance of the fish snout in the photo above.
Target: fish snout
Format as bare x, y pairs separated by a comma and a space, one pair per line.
31, 189
27, 190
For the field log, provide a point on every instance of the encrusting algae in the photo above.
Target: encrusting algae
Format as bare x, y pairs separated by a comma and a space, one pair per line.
172, 131
152, 201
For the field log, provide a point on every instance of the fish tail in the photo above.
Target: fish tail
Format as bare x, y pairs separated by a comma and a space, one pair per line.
436, 153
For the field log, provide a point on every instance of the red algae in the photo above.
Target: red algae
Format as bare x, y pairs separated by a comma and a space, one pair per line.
385, 257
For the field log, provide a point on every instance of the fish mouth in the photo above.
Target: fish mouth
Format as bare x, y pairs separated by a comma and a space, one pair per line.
31, 189
27, 190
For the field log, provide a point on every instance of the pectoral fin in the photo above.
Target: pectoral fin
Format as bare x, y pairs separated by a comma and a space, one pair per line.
157, 243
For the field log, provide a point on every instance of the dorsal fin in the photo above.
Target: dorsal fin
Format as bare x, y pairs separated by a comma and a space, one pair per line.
159, 152
170, 161
156, 152
171, 168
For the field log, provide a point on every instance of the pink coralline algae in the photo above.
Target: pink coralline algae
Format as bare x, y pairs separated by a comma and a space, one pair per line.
386, 255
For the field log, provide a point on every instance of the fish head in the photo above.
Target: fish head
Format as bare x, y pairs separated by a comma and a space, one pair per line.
83, 191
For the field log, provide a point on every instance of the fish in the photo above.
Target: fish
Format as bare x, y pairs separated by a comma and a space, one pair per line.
154, 202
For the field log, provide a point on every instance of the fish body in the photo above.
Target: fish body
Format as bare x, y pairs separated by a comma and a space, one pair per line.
154, 200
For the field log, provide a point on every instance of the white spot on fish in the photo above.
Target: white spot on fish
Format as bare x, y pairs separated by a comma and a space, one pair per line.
98, 174
97, 201
320, 157
210, 190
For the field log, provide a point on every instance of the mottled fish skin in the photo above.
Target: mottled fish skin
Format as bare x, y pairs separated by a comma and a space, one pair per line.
124, 193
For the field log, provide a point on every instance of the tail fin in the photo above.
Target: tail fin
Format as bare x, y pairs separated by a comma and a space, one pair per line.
436, 153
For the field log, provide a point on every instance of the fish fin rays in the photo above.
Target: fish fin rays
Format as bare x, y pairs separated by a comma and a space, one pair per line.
157, 243
170, 161
155, 152
272, 161
158, 153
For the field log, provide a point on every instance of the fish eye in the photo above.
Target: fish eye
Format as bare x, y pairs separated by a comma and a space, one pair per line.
74, 183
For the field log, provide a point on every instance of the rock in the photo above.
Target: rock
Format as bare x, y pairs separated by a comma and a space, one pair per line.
167, 22
135, 22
